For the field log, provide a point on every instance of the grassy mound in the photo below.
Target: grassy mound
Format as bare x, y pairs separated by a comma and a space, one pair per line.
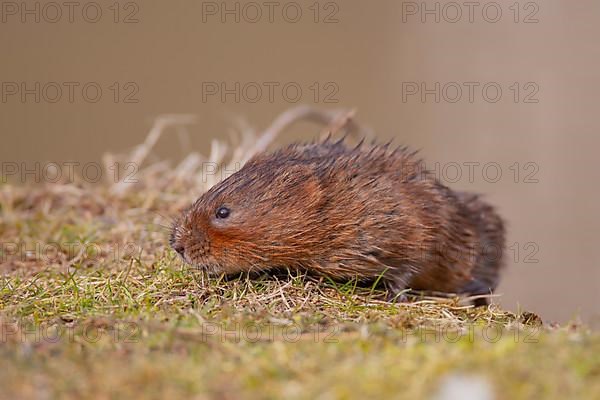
93, 304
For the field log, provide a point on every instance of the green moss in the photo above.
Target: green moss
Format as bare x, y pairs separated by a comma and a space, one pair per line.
119, 316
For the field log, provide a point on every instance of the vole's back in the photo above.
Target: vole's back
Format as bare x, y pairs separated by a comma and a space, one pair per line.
385, 214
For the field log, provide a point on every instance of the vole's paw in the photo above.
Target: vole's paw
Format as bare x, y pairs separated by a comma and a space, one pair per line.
397, 296
398, 288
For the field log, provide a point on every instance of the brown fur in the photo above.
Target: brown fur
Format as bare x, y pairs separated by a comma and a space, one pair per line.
347, 213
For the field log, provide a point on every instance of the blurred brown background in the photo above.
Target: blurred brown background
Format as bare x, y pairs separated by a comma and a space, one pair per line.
541, 133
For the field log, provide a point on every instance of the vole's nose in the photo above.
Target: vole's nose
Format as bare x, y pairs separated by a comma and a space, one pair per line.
176, 243
179, 248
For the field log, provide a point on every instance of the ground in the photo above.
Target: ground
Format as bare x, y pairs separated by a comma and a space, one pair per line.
93, 304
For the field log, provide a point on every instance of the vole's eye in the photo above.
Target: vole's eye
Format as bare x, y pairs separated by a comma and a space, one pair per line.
223, 212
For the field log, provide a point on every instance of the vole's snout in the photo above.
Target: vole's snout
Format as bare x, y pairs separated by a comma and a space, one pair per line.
176, 243
179, 248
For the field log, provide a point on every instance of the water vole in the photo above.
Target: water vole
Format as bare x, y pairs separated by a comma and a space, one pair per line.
346, 212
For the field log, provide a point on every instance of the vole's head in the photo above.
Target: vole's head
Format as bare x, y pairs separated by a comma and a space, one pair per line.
253, 220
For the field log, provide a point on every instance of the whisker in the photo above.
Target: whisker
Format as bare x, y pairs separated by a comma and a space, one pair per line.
171, 220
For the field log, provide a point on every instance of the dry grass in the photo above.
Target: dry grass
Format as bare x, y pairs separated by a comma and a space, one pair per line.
93, 304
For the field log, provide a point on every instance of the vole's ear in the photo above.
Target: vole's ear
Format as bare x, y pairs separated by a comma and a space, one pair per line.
298, 184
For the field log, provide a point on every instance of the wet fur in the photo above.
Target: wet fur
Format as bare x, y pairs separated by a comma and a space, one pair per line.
346, 212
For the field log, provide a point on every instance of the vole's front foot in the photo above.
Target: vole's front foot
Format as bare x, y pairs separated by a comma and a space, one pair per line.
397, 297
397, 288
